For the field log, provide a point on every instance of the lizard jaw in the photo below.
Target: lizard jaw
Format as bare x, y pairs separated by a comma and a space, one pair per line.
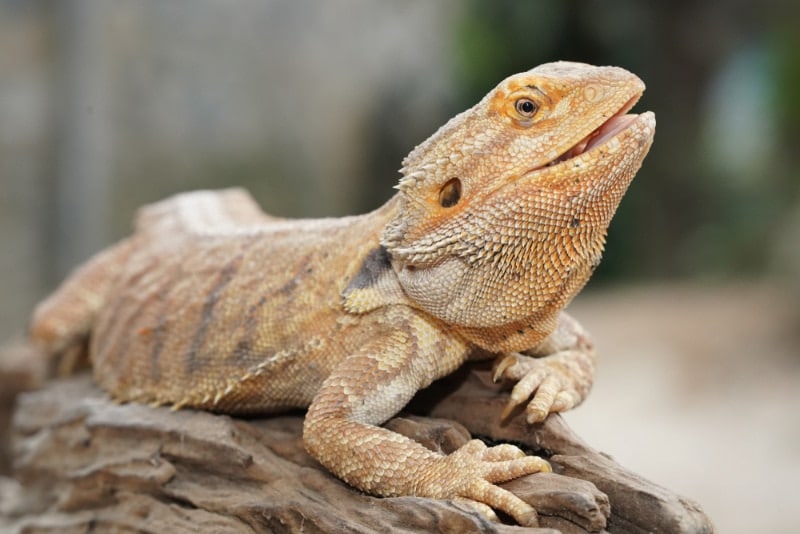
603, 133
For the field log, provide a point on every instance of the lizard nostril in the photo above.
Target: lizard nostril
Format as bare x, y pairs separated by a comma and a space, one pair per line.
592, 93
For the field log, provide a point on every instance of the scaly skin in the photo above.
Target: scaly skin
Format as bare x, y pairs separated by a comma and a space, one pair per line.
499, 221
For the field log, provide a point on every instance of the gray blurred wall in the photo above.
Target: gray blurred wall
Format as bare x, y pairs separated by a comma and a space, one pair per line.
107, 105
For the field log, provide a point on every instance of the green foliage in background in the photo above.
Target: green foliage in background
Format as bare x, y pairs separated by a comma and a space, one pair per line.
721, 179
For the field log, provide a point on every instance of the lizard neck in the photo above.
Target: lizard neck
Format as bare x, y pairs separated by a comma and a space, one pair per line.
386, 213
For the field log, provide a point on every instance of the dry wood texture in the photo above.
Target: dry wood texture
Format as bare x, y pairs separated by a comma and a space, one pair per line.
82, 462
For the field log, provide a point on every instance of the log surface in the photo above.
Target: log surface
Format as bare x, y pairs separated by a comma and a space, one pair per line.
82, 462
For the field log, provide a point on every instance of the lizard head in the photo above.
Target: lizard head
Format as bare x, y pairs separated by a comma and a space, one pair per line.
503, 212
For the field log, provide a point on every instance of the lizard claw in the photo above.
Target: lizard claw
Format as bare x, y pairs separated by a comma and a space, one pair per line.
500, 368
482, 508
551, 381
469, 475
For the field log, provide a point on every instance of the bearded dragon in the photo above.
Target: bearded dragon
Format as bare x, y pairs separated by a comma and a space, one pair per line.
499, 220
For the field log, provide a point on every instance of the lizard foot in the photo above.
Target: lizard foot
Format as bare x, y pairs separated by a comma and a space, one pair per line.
554, 383
469, 475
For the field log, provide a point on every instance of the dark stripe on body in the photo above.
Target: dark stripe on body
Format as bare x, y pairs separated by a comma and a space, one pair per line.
303, 270
243, 351
159, 332
103, 344
124, 322
193, 363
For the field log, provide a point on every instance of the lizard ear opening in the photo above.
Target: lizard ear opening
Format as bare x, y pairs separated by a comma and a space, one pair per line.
450, 193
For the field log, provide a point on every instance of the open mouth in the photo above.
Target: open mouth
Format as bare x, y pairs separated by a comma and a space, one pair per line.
606, 131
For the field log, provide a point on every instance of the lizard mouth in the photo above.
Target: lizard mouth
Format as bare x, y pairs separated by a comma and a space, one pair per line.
608, 130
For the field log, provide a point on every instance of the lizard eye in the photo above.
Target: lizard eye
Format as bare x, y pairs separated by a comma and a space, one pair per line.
526, 107
450, 193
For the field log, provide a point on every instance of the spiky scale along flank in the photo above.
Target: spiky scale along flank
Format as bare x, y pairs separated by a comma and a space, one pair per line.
499, 219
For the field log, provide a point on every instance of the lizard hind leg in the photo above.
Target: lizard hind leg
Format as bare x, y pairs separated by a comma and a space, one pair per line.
62, 322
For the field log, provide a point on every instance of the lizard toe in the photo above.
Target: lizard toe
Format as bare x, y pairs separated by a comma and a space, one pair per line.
504, 366
503, 452
482, 508
505, 501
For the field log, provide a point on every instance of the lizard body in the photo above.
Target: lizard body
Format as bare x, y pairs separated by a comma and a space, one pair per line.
499, 220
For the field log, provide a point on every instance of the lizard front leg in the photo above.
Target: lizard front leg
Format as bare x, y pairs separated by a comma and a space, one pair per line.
373, 384
558, 372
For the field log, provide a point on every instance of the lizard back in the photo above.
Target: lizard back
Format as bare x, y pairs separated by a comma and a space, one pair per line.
213, 298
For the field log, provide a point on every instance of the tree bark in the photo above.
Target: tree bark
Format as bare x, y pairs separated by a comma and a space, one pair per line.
82, 462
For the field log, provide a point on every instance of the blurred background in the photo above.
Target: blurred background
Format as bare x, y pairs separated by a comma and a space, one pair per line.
108, 105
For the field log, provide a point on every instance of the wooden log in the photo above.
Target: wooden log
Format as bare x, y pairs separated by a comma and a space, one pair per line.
637, 505
82, 462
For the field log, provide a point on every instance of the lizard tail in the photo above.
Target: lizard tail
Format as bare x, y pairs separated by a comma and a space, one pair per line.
61, 324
